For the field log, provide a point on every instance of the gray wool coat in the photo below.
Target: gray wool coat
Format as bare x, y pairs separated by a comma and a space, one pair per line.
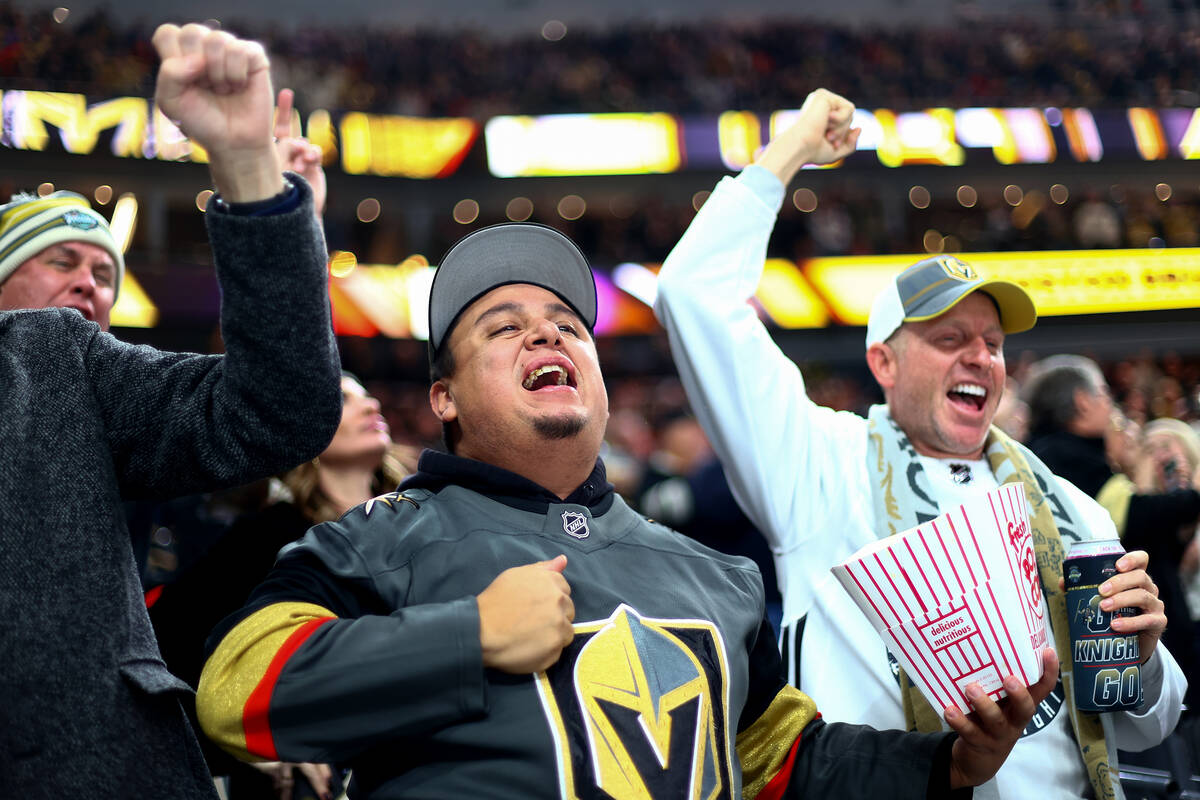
87, 707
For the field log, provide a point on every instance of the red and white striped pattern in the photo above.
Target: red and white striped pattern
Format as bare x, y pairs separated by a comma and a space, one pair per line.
957, 600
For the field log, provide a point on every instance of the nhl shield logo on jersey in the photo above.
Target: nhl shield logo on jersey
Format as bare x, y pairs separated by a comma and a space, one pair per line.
638, 709
575, 524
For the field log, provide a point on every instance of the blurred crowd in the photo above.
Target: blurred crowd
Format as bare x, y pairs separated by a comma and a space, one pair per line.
1131, 58
1144, 388
850, 219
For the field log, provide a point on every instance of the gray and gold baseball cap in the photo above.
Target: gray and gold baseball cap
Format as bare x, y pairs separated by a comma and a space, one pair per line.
516, 252
933, 286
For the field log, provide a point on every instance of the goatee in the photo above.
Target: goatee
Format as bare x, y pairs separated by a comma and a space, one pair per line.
559, 427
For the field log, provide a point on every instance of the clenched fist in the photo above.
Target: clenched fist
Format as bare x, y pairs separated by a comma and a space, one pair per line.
525, 617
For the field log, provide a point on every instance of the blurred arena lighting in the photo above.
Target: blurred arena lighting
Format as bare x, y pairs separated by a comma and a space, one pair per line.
933, 241
967, 196
1054, 116
378, 299
202, 198
637, 281
342, 263
1148, 134
368, 210
1083, 135
554, 30
583, 144
1059, 194
804, 200
572, 207
45, 189
103, 194
788, 297
519, 209
466, 211
739, 136
390, 300
1061, 282
60, 14
919, 197
418, 302
918, 137
124, 220
699, 198
1163, 192
1027, 210
133, 308
395, 146
1013, 194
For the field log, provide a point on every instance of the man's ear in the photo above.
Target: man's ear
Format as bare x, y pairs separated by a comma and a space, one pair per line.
442, 403
881, 360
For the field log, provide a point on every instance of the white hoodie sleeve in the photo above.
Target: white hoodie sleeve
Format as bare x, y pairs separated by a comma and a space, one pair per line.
792, 465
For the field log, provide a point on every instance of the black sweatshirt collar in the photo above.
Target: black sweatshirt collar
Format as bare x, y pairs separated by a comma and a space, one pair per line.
437, 470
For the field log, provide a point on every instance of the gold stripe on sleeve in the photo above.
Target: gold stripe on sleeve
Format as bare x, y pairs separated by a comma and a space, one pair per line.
238, 667
764, 746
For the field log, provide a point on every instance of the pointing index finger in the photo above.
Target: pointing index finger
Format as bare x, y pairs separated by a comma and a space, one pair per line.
283, 114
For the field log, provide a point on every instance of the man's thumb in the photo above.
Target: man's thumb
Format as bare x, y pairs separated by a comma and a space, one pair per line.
557, 564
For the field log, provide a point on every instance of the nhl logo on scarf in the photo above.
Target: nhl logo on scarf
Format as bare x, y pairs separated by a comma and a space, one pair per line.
575, 524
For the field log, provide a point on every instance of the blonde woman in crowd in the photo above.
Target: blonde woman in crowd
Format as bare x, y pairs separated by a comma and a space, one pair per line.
360, 462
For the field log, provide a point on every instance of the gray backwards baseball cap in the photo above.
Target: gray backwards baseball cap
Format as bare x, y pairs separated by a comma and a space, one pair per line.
512, 252
933, 286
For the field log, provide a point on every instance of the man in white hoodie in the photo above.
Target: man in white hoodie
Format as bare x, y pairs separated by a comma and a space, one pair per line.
821, 484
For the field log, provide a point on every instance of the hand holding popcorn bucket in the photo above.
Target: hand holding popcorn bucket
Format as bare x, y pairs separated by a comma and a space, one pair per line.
957, 599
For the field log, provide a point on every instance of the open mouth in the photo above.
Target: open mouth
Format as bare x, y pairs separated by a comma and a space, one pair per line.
545, 376
971, 396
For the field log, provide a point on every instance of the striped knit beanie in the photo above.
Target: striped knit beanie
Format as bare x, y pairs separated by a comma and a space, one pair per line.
29, 224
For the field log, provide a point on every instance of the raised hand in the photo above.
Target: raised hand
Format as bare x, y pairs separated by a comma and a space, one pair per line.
820, 135
987, 735
298, 154
217, 89
525, 617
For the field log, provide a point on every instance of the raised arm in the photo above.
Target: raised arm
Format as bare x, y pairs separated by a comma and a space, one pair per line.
185, 423
775, 444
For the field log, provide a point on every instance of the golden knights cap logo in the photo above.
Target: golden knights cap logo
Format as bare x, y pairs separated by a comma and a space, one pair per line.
638, 710
957, 269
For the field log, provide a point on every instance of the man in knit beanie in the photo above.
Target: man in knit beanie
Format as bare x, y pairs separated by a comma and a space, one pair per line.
55, 251
88, 708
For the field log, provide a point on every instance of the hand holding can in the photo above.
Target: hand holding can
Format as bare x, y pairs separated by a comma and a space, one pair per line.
1115, 620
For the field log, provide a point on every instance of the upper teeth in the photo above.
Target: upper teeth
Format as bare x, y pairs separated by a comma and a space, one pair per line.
540, 371
970, 388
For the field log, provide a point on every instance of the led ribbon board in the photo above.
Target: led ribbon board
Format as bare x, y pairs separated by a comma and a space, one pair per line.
1061, 282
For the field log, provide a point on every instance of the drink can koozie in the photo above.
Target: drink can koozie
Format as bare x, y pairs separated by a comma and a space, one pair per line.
1106, 673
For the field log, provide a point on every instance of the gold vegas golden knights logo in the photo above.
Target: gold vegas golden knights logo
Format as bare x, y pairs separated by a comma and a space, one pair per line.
639, 711
957, 269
